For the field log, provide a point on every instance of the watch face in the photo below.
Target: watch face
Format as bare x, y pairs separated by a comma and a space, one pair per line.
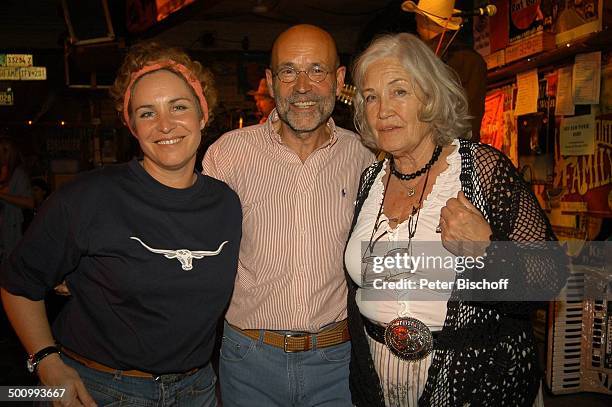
30, 366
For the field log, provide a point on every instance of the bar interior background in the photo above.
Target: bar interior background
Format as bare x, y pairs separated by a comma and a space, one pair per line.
548, 107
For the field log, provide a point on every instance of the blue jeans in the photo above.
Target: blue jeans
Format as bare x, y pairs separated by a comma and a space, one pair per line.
108, 390
254, 374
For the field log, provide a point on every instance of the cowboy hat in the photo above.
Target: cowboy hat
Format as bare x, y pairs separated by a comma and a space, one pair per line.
262, 89
439, 11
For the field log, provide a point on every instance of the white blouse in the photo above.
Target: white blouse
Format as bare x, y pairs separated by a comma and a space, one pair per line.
425, 304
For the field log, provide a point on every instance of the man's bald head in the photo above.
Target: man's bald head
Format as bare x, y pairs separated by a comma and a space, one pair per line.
305, 36
304, 105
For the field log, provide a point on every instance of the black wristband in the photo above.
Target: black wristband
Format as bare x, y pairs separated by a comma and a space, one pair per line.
34, 360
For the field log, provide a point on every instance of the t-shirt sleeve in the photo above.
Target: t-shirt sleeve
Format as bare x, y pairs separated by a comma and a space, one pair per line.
46, 254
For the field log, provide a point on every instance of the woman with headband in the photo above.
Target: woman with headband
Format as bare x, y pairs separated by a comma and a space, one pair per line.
148, 250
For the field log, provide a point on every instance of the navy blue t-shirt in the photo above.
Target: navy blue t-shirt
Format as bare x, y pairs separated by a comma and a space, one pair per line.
150, 268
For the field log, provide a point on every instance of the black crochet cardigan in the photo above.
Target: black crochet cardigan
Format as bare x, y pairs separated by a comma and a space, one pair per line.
486, 353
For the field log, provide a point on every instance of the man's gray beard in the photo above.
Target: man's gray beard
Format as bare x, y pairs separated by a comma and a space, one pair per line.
324, 117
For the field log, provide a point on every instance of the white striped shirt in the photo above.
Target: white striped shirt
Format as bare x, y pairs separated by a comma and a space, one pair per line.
296, 218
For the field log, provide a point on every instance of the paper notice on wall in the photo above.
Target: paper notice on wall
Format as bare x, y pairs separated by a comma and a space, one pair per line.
587, 78
577, 135
586, 180
527, 95
565, 102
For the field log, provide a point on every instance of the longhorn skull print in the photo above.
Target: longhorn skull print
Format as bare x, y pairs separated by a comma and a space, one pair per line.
184, 256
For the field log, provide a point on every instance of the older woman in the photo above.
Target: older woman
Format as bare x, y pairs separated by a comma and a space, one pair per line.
436, 196
148, 250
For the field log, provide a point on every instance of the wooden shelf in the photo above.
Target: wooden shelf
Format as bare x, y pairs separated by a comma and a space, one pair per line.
600, 41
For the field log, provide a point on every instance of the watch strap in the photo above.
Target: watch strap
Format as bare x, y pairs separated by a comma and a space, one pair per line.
37, 357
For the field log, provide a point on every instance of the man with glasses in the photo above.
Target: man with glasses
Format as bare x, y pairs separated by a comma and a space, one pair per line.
285, 339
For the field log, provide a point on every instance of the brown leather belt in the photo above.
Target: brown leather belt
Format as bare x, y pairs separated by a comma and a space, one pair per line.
300, 342
92, 364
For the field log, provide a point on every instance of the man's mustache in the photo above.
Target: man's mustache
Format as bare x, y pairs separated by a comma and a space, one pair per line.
300, 98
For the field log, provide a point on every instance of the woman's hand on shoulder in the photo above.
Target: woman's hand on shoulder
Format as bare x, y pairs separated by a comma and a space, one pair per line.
53, 372
465, 231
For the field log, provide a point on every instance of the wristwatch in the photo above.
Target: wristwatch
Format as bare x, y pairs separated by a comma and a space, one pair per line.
34, 359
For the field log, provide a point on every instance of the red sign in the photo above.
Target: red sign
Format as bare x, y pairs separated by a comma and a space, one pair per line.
167, 7
143, 14
499, 26
524, 12
493, 129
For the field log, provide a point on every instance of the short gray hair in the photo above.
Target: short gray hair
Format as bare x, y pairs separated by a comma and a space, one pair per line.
445, 105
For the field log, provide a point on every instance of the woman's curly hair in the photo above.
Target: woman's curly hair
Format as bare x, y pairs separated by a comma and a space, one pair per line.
144, 53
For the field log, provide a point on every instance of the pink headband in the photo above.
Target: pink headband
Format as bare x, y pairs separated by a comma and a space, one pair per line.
174, 67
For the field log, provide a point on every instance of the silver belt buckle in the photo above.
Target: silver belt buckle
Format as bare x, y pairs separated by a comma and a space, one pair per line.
408, 338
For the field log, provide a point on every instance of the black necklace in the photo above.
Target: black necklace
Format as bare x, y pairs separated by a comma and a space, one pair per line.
418, 173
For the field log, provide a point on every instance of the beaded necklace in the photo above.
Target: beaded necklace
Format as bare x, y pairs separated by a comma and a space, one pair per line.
418, 173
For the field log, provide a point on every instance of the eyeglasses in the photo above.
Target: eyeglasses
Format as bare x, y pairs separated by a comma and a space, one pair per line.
289, 74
